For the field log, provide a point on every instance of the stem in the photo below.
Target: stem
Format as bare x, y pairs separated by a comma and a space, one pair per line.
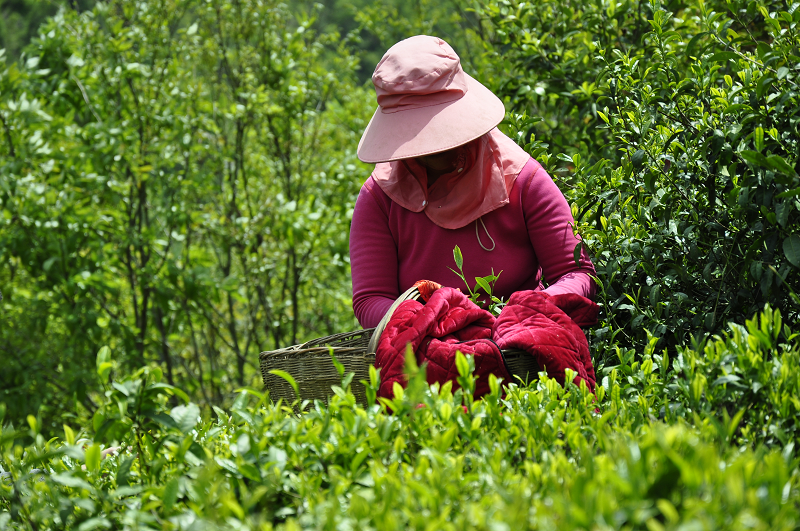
10, 142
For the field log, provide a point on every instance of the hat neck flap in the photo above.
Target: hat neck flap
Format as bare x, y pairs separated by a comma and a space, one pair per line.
485, 173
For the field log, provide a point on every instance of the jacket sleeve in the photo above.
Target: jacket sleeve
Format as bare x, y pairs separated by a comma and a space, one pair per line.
373, 258
549, 220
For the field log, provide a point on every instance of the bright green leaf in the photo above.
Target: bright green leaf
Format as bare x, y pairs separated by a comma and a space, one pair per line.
93, 457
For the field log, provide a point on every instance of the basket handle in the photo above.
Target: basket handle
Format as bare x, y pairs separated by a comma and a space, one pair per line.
411, 293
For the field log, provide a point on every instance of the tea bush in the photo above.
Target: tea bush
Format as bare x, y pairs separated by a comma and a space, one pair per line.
676, 126
701, 218
708, 443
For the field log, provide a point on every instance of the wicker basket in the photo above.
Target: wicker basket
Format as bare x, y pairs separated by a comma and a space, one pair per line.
311, 366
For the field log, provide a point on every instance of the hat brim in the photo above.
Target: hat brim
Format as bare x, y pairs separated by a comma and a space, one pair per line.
426, 130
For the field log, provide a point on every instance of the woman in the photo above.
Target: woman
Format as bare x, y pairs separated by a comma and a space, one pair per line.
446, 176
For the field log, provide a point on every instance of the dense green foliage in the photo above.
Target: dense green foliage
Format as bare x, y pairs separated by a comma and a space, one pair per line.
176, 179
679, 130
21, 19
656, 449
185, 203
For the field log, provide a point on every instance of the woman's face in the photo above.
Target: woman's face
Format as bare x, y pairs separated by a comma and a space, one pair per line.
440, 162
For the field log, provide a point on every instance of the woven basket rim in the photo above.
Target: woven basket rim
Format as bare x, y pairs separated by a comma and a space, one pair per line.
315, 352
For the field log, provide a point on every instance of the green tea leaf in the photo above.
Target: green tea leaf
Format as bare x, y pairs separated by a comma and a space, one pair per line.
758, 138
788, 193
481, 282
69, 435
397, 390
71, 481
410, 361
735, 421
458, 257
637, 159
694, 42
98, 522
336, 363
721, 57
791, 249
755, 158
462, 365
357, 460
780, 164
171, 493
186, 417
162, 419
104, 363
93, 457
447, 438
727, 379
97, 420
124, 471
288, 377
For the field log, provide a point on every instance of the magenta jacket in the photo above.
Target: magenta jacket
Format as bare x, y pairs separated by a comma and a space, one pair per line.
391, 247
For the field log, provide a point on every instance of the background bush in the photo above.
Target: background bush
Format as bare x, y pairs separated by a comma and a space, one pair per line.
175, 185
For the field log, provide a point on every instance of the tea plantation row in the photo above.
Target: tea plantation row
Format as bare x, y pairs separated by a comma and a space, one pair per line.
704, 442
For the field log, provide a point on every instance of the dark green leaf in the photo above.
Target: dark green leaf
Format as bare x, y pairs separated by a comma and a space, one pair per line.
124, 471
755, 158
171, 493
97, 522
721, 57
791, 249
71, 481
727, 379
162, 418
637, 159
780, 164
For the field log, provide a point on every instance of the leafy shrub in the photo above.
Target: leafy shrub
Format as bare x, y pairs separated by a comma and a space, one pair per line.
744, 376
543, 457
679, 131
699, 223
175, 179
543, 63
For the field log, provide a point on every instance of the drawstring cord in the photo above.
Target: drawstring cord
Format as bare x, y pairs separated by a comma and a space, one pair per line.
477, 234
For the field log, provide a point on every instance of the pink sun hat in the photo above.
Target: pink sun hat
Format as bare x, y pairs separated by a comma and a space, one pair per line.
426, 103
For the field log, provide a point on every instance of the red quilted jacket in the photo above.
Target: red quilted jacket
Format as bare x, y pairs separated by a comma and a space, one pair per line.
545, 326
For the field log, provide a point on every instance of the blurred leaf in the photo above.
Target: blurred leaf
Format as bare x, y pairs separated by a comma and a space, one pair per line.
104, 363
336, 363
288, 377
93, 458
186, 417
171, 493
